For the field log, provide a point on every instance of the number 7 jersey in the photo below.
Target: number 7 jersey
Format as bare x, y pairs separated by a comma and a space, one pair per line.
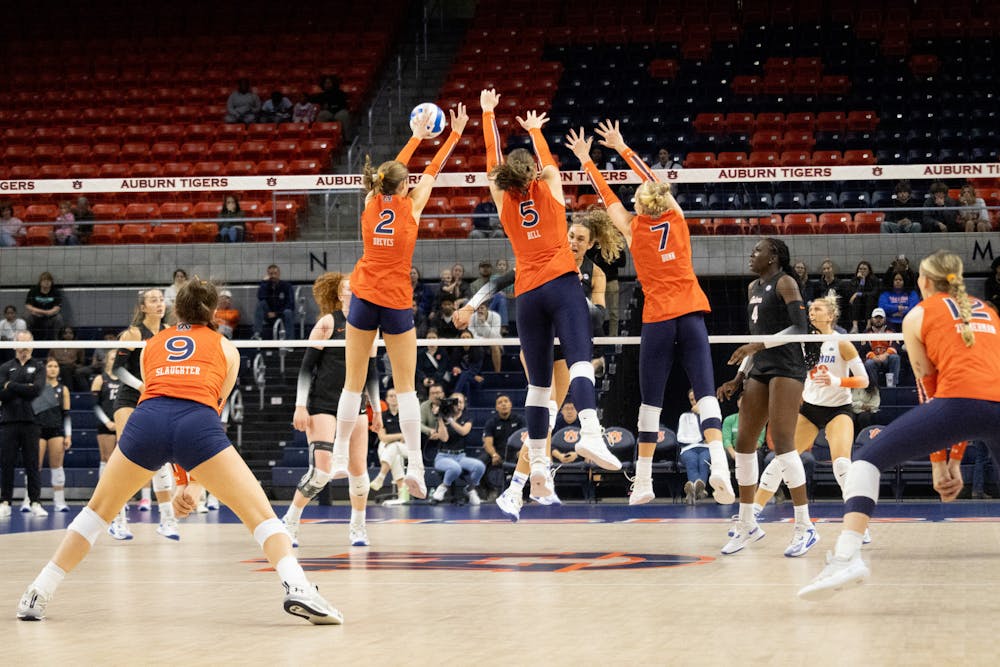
661, 251
187, 362
389, 233
535, 223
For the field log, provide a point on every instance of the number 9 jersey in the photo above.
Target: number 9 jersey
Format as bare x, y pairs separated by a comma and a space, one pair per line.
535, 223
187, 362
389, 234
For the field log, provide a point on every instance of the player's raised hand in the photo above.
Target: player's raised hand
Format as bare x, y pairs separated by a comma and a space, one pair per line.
580, 144
533, 120
489, 99
458, 120
423, 124
611, 137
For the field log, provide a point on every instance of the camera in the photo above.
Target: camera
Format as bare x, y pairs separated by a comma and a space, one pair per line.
448, 407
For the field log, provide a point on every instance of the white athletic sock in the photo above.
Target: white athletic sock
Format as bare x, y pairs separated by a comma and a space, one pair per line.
840, 467
48, 579
357, 517
848, 544
409, 425
347, 415
757, 509
166, 511
379, 478
644, 467
100, 469
294, 512
802, 515
291, 572
147, 493
59, 497
589, 423
746, 514
517, 481
720, 462
122, 515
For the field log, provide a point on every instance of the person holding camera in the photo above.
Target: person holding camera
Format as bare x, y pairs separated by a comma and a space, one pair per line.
451, 460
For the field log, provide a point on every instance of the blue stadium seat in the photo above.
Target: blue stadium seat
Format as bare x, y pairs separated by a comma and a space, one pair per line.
787, 200
881, 198
853, 199
821, 200
723, 201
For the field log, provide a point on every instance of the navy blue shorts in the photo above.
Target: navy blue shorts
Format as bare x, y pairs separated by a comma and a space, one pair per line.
556, 308
369, 316
172, 430
685, 336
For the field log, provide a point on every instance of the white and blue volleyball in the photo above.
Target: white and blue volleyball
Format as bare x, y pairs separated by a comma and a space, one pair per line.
435, 121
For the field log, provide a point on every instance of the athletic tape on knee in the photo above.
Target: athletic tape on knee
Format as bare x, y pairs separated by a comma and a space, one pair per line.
770, 479
88, 524
58, 477
358, 485
268, 528
582, 369
747, 469
709, 412
649, 418
792, 469
862, 480
163, 478
538, 397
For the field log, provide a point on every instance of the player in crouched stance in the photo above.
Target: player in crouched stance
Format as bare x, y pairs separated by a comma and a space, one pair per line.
177, 420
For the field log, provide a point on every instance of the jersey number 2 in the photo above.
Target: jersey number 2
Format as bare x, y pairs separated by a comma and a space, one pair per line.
385, 220
529, 216
179, 348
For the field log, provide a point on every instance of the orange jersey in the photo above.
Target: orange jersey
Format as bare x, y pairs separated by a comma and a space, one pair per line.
661, 251
535, 223
962, 372
187, 362
389, 233
230, 317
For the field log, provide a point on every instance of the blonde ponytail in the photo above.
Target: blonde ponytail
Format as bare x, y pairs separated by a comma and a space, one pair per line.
944, 270
957, 291
654, 198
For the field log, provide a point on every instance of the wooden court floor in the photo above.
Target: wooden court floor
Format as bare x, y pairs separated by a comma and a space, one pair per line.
579, 585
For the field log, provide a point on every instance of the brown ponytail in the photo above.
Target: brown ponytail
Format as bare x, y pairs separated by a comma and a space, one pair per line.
602, 231
196, 302
516, 172
386, 179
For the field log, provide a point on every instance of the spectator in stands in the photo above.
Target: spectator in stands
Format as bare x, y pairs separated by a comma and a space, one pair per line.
900, 265
243, 104
863, 289
11, 227
902, 221
392, 452
420, 323
486, 324
880, 354
694, 453
72, 371
44, 306
897, 301
568, 416
451, 459
612, 290
332, 103
939, 216
277, 109
665, 161
443, 319
991, 290
65, 231
84, 218
447, 287
458, 278
496, 431
466, 363
9, 326
731, 426
227, 316
801, 275
975, 217
304, 111
486, 222
602, 163
99, 357
485, 273
432, 365
431, 420
423, 296
275, 299
170, 293
865, 404
829, 285
230, 229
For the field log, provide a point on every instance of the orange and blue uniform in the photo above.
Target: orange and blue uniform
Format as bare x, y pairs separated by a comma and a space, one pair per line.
535, 223
389, 234
186, 362
962, 372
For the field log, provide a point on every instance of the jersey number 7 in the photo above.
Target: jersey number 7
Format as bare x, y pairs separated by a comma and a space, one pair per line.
664, 229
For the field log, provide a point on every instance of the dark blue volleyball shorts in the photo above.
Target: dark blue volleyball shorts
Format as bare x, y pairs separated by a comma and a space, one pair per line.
369, 316
172, 430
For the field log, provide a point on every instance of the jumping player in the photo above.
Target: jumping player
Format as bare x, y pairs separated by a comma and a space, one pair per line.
550, 300
147, 321
775, 373
383, 295
189, 370
954, 347
320, 379
673, 311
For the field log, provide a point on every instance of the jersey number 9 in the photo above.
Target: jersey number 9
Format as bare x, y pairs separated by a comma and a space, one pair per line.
179, 348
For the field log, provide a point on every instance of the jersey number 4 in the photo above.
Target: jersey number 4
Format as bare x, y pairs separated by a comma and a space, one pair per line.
664, 229
179, 348
385, 220
529, 216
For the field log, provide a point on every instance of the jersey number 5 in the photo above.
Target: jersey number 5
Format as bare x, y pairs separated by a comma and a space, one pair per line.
179, 348
664, 229
385, 220
529, 216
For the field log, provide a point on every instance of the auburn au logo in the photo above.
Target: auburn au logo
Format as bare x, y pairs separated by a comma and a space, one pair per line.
571, 561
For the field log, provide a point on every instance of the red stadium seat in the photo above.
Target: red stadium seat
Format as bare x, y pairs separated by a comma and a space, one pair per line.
765, 159
795, 158
193, 151
464, 203
164, 151
835, 84
47, 135
835, 223
82, 171
176, 209
230, 132
240, 168
456, 228
800, 223
700, 226
747, 84
104, 153
430, 228
270, 167
168, 232
38, 235
699, 160
113, 171
134, 232
253, 150
103, 234
22, 172
437, 205
730, 226
293, 130
767, 226
223, 150
52, 171
283, 149
319, 149
47, 154
207, 210
862, 121
304, 166
200, 132
18, 155
203, 232
171, 133
800, 121
740, 123
831, 121
329, 131
766, 140
868, 223
710, 123
859, 157
138, 134
134, 152
771, 121
138, 211
207, 168
827, 158
41, 213
76, 153
262, 131
798, 140
108, 212
144, 170
731, 159
266, 231
177, 169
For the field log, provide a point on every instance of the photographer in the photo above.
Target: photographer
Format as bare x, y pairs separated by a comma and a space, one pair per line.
431, 420
451, 460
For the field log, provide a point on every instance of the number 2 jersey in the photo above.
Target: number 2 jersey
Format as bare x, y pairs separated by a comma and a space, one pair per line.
834, 363
962, 372
535, 223
661, 251
389, 234
187, 362
768, 314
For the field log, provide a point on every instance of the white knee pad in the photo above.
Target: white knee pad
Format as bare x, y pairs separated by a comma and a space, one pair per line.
862, 480
358, 485
770, 479
538, 397
58, 477
649, 418
582, 369
88, 524
747, 469
409, 406
708, 408
553, 413
841, 466
313, 482
163, 478
792, 469
267, 528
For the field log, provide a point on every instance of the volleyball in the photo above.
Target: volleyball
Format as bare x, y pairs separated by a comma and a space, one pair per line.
435, 121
